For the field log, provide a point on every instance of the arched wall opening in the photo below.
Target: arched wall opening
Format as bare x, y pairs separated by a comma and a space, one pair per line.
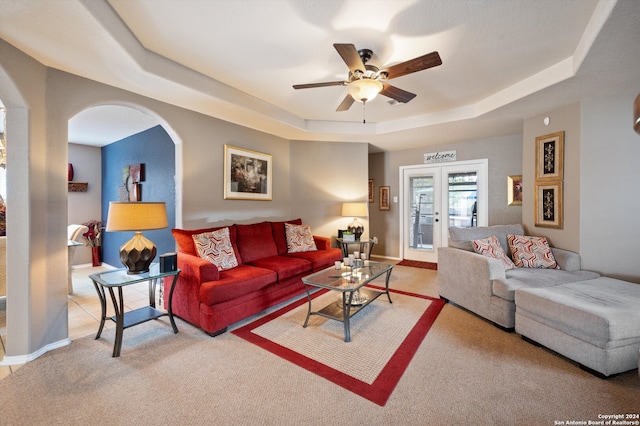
144, 137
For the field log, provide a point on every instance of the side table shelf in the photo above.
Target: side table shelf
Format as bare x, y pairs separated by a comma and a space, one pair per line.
138, 316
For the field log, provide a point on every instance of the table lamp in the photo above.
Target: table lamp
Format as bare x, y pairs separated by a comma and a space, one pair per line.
355, 210
137, 253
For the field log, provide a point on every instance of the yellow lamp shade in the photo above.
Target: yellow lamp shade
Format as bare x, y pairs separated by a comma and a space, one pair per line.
137, 253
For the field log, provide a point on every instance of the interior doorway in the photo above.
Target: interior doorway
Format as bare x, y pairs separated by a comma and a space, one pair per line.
435, 197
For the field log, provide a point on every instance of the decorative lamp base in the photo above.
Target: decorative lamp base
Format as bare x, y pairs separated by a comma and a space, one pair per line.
137, 254
356, 227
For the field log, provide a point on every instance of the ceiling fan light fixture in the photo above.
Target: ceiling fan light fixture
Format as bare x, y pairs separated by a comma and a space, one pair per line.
364, 90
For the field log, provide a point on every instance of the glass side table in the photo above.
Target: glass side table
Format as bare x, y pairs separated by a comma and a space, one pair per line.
117, 279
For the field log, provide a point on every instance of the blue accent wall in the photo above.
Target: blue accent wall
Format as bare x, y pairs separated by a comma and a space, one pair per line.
155, 149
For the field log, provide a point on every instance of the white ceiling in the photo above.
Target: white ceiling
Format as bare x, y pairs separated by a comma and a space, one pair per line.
503, 61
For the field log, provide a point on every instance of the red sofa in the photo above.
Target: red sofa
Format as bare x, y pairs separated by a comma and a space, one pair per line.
266, 275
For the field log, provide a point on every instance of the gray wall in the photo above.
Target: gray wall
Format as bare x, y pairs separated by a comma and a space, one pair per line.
504, 155
323, 175
609, 202
84, 206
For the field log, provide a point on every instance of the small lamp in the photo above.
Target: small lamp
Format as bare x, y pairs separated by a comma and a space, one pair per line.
355, 210
137, 253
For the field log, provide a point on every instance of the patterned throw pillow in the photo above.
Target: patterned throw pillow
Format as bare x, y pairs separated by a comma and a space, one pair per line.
531, 252
299, 238
490, 247
216, 247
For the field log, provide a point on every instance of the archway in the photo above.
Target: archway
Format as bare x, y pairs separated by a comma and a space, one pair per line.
99, 155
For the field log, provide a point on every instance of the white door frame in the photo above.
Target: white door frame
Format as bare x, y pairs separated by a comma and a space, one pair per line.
482, 168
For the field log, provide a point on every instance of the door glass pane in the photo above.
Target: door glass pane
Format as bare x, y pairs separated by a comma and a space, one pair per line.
463, 196
421, 212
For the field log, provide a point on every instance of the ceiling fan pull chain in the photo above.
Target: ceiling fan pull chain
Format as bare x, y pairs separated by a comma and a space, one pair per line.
364, 112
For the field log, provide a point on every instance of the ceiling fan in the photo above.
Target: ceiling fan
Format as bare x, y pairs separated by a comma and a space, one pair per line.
366, 81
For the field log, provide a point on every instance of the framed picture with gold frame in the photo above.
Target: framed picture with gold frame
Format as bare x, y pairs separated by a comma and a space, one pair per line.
384, 198
550, 156
248, 174
514, 190
371, 190
548, 204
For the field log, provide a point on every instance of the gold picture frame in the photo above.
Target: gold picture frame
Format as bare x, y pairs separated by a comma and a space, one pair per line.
248, 175
385, 192
371, 189
548, 205
514, 190
550, 156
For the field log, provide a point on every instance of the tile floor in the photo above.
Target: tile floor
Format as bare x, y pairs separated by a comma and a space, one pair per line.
84, 308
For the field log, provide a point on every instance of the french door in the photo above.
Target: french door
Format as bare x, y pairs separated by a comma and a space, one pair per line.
434, 197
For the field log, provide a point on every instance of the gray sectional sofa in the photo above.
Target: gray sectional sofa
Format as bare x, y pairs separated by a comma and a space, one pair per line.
483, 286
590, 319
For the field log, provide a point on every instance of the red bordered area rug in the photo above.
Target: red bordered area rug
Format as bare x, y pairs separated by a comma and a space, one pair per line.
384, 339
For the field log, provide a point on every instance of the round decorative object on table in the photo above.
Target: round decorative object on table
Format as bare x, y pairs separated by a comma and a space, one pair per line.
70, 172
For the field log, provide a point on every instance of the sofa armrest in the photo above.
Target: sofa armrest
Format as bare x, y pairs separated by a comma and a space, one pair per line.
322, 243
197, 269
567, 260
462, 269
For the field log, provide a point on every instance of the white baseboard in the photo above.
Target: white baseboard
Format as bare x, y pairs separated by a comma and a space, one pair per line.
23, 359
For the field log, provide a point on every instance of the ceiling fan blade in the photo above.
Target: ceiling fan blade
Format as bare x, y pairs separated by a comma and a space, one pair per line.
424, 62
350, 56
346, 103
325, 84
397, 94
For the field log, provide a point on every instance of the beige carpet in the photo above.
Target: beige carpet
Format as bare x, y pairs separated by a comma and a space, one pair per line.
465, 372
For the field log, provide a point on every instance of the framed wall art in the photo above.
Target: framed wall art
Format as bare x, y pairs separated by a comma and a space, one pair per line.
384, 198
550, 156
548, 204
371, 190
248, 175
514, 190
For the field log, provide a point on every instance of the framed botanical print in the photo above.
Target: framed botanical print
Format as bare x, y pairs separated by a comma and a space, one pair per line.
248, 174
550, 156
548, 204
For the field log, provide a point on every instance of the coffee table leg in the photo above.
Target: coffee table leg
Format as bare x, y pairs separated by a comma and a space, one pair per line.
306, 322
386, 284
346, 311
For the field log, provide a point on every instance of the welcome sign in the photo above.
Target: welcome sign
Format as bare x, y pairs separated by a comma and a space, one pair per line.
440, 157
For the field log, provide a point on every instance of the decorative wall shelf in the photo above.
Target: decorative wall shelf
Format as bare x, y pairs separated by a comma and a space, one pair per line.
78, 186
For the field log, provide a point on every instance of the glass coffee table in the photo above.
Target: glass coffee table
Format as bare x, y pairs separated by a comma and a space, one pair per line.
350, 283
